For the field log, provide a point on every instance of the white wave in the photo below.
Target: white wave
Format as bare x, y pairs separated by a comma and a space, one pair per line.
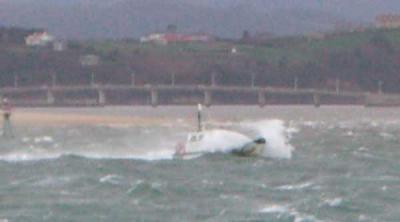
233, 197
335, 202
30, 156
304, 218
362, 217
272, 209
26, 156
277, 136
112, 179
349, 133
296, 186
149, 156
26, 139
43, 139
156, 155
361, 149
141, 184
312, 124
387, 136
284, 209
292, 130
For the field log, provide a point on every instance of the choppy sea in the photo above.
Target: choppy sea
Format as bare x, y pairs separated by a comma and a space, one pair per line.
329, 164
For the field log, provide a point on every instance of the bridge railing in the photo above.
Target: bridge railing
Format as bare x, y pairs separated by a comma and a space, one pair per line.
147, 87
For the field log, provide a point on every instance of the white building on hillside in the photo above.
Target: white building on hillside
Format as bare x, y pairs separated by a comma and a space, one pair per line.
39, 39
165, 38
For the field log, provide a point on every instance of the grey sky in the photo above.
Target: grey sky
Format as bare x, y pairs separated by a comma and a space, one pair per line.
227, 18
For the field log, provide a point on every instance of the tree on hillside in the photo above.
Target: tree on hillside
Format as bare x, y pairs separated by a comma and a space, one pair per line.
379, 40
283, 62
172, 28
246, 36
312, 75
16, 35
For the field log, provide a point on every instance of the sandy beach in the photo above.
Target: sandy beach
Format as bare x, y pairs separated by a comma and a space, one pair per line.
28, 117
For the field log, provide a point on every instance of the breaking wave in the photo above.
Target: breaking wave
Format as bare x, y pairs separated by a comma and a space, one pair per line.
290, 213
277, 136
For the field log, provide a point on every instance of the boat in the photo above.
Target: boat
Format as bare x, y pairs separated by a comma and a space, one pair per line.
218, 140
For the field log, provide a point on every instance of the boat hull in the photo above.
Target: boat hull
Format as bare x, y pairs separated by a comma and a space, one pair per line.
249, 150
254, 148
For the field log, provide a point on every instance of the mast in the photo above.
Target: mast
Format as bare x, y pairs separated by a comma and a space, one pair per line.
199, 118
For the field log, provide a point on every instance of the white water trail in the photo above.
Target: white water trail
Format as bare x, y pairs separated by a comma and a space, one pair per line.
26, 156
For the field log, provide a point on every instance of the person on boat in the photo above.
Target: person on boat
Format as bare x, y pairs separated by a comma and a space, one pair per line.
7, 109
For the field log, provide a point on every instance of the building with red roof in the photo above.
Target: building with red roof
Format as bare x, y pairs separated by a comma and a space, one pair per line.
388, 21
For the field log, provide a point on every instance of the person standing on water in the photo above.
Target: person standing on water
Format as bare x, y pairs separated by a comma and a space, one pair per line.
7, 108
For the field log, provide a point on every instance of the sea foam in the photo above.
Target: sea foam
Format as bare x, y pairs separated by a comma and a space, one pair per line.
277, 136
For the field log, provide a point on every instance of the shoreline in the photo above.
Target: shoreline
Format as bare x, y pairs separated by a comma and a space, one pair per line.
27, 117
166, 115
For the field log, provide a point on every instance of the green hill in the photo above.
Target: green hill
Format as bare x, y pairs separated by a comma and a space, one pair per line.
358, 59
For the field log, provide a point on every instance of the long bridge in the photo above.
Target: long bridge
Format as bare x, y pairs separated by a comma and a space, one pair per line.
154, 95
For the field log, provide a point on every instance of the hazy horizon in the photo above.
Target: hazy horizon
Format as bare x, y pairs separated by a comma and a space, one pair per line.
77, 19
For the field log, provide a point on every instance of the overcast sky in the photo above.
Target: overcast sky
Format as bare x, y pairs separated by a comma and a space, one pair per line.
228, 18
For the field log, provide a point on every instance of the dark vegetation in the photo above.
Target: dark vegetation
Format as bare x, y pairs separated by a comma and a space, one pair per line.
15, 35
358, 59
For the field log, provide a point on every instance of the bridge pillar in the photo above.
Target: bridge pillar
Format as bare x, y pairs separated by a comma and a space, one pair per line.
154, 97
16, 81
101, 97
316, 100
133, 79
337, 86
50, 99
207, 98
261, 99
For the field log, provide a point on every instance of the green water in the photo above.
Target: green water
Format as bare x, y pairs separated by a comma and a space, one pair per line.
344, 167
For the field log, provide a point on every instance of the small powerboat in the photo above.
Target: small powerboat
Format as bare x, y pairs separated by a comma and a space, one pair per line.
218, 140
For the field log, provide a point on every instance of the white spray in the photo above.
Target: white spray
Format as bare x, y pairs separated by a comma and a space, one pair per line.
276, 134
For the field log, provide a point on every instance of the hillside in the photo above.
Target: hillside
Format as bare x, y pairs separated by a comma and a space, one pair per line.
359, 60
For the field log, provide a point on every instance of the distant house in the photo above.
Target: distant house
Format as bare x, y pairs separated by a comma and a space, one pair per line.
39, 39
387, 21
234, 50
165, 38
155, 38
